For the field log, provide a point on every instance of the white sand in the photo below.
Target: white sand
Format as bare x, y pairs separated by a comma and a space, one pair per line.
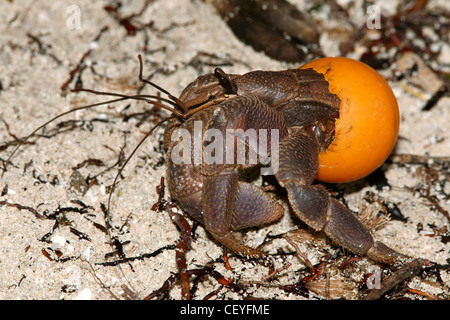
31, 78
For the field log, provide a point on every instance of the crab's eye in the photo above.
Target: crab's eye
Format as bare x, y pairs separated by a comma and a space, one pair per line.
368, 123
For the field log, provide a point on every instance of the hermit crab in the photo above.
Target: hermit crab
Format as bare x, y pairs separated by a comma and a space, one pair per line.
336, 120
331, 120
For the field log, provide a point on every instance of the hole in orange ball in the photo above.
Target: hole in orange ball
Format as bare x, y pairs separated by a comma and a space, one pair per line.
367, 128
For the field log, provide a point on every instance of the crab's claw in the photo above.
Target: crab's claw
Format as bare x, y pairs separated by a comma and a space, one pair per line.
313, 204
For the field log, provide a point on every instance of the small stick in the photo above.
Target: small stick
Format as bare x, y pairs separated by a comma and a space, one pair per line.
185, 237
300, 254
275, 272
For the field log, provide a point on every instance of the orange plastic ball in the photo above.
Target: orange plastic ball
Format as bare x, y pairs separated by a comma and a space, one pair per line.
368, 123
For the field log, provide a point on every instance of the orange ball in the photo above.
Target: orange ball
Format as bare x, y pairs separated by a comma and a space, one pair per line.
368, 123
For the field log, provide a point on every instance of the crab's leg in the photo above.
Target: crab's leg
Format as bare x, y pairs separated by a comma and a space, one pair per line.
229, 204
298, 165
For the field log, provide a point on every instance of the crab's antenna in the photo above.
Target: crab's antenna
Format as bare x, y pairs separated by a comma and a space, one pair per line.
177, 101
204, 106
121, 97
130, 156
141, 97
22, 141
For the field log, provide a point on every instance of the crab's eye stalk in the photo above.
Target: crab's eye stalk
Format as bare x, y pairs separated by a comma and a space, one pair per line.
368, 123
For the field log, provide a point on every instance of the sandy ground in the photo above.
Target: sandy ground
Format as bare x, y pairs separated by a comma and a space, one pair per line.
41, 43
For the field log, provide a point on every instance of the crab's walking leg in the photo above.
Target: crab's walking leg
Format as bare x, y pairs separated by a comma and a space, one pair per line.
232, 205
298, 165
